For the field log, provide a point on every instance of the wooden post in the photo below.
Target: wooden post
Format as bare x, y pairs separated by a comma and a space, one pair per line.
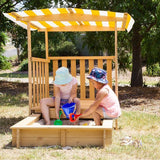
18, 138
29, 66
63, 137
116, 67
46, 65
46, 43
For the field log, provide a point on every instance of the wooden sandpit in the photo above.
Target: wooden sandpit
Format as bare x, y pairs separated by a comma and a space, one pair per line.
31, 131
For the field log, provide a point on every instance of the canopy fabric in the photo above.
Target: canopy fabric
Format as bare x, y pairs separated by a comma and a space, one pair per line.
72, 19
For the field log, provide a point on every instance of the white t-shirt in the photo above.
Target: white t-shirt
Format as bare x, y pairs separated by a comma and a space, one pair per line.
65, 90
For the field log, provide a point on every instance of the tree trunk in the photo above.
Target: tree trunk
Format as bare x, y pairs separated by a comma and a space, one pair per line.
136, 78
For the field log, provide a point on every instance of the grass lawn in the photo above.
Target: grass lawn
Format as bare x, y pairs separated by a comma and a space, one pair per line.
141, 126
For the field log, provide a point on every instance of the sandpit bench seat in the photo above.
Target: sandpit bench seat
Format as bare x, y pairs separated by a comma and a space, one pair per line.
84, 105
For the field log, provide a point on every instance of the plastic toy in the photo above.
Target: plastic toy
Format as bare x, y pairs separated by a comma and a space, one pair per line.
69, 108
73, 117
58, 121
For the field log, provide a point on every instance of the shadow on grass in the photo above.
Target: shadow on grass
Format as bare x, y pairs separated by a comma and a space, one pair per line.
6, 123
13, 88
10, 100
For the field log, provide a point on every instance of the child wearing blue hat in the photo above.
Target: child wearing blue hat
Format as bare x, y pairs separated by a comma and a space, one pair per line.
65, 88
106, 104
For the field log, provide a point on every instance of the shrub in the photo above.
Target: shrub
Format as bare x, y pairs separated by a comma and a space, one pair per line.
24, 65
4, 63
66, 49
153, 70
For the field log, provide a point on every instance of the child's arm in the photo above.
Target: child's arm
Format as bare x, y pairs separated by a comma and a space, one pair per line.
96, 103
73, 93
57, 100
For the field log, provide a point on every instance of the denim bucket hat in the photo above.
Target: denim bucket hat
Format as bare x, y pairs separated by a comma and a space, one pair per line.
62, 76
98, 75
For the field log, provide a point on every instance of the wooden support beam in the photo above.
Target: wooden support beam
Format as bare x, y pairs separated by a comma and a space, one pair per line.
63, 137
80, 28
29, 66
116, 69
46, 43
18, 138
69, 17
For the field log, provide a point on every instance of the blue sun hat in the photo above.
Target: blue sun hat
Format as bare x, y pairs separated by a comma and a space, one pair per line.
62, 76
98, 75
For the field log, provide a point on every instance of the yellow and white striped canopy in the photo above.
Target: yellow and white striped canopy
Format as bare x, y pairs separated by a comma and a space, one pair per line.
72, 19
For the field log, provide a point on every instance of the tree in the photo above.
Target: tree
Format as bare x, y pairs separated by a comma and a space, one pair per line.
146, 15
18, 34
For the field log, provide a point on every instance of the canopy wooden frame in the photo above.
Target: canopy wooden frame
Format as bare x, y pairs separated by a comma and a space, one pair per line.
80, 20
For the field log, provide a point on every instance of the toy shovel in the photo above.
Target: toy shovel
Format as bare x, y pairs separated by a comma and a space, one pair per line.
58, 121
73, 117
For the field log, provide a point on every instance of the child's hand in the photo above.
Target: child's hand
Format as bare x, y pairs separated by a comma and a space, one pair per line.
70, 100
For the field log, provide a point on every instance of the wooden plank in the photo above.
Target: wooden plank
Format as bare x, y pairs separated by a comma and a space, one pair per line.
46, 43
84, 137
64, 63
37, 83
28, 120
43, 90
116, 68
116, 62
82, 80
100, 63
46, 80
98, 141
73, 67
14, 135
91, 88
80, 29
124, 20
69, 17
82, 57
55, 67
84, 132
29, 66
34, 59
41, 132
107, 138
109, 72
63, 137
40, 141
18, 138
34, 95
40, 77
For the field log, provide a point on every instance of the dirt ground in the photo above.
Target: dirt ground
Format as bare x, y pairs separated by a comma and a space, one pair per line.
145, 99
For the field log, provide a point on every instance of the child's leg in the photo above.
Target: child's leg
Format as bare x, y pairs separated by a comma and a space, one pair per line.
78, 110
97, 115
77, 101
45, 103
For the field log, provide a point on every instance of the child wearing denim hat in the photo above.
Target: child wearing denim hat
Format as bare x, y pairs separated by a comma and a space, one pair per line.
106, 104
65, 88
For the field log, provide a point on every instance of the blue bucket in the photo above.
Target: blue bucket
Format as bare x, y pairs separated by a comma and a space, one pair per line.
69, 108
